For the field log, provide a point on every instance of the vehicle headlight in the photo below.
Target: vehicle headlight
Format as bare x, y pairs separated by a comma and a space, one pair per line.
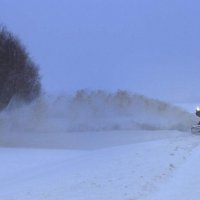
198, 109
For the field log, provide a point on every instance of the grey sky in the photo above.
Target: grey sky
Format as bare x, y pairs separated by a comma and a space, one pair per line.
148, 47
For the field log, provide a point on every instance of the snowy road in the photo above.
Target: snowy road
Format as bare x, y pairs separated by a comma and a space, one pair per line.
165, 168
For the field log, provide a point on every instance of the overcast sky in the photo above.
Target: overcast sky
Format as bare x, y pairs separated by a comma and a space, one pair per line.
151, 47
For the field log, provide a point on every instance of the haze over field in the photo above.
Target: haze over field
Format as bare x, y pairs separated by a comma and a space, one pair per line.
95, 111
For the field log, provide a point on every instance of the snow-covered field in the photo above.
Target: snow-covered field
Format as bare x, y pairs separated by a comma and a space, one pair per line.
144, 162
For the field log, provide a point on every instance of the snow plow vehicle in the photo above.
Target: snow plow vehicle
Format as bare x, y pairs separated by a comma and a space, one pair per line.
196, 128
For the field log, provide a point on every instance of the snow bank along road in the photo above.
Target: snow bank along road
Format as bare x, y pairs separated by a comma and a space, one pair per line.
146, 167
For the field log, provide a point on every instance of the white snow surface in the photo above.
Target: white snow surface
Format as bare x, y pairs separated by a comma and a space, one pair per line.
130, 163
156, 169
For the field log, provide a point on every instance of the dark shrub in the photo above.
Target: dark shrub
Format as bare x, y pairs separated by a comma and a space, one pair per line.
19, 77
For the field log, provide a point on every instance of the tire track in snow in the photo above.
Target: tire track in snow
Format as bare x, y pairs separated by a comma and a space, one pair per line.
184, 182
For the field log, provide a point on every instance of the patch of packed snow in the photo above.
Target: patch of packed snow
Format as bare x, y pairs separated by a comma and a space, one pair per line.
184, 184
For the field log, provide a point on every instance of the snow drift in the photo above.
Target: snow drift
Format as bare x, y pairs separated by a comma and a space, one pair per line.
94, 111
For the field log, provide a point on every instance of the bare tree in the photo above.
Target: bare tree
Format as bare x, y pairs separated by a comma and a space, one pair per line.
19, 76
